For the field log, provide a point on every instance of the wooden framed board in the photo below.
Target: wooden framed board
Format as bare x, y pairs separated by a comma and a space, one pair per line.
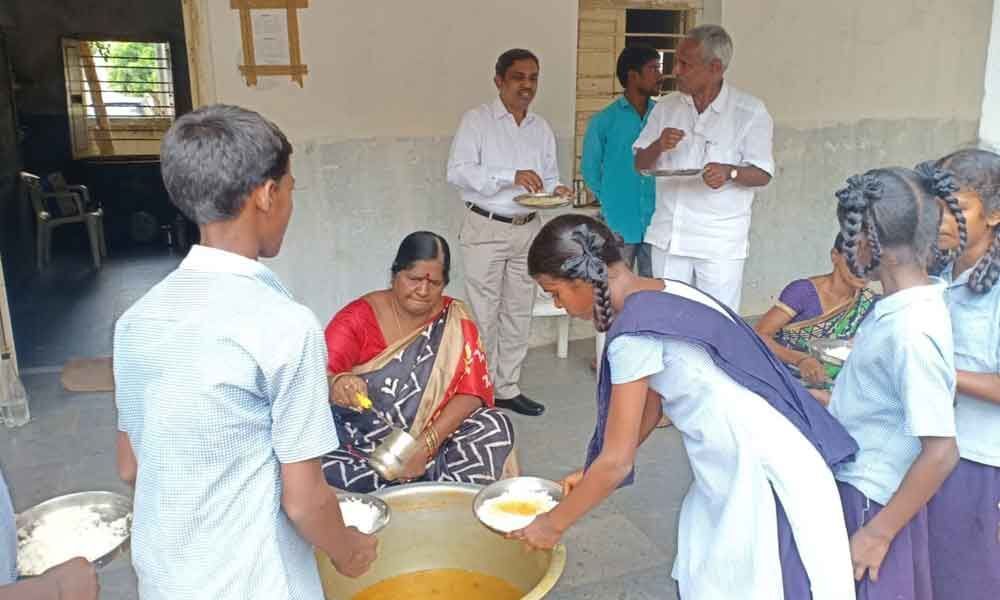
250, 68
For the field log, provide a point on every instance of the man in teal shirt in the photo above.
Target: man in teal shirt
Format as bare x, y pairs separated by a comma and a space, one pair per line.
627, 198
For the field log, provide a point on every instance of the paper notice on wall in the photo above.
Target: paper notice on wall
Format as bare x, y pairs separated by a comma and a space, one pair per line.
270, 37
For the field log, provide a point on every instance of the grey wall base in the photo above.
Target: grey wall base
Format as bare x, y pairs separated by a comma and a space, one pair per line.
356, 199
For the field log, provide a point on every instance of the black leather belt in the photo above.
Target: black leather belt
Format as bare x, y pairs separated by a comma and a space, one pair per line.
515, 220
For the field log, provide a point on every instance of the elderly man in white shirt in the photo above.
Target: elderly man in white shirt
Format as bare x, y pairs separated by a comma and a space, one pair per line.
503, 150
700, 228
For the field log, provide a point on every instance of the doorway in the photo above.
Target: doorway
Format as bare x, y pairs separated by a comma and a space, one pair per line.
92, 94
605, 28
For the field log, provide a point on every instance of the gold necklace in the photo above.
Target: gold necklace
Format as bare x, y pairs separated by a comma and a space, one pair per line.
395, 314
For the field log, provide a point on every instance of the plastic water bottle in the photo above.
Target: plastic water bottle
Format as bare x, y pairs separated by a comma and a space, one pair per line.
13, 397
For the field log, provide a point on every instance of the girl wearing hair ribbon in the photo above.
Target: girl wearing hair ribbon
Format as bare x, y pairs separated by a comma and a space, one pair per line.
895, 393
964, 515
761, 520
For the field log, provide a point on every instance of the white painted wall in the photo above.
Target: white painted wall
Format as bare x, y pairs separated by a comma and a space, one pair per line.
816, 62
401, 69
989, 126
387, 85
851, 84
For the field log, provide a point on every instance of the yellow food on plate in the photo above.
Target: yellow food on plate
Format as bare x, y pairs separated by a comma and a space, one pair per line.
514, 510
522, 508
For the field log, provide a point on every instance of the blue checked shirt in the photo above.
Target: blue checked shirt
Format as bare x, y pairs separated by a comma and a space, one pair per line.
220, 379
897, 386
975, 320
8, 536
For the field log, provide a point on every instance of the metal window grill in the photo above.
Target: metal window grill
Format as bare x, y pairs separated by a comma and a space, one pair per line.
662, 30
119, 95
605, 27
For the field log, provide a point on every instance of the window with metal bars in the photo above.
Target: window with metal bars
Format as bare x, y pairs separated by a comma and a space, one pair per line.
119, 95
661, 30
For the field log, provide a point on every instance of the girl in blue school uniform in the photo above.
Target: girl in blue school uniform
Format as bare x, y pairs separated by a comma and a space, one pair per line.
762, 518
964, 516
896, 391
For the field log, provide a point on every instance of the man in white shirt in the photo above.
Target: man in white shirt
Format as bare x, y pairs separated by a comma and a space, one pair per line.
700, 228
502, 150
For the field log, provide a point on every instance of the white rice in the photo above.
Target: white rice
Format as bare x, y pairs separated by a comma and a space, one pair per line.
360, 514
67, 533
840, 352
491, 514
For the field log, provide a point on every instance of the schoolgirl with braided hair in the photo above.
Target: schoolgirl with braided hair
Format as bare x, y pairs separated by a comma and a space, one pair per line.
963, 516
762, 514
895, 393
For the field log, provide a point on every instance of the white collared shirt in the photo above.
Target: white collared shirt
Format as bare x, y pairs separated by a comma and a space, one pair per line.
488, 150
691, 219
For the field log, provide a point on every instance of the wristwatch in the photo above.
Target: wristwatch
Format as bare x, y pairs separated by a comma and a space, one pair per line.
733, 174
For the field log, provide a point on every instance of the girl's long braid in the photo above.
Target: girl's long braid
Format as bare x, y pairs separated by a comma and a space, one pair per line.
978, 171
874, 243
589, 267
942, 184
856, 219
939, 260
987, 271
603, 313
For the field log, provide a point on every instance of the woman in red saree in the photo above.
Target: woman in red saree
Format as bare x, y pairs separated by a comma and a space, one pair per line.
416, 354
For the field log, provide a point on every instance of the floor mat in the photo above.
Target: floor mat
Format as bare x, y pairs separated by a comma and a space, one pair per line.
88, 375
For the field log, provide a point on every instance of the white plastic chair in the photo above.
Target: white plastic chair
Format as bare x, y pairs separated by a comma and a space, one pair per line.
545, 307
75, 206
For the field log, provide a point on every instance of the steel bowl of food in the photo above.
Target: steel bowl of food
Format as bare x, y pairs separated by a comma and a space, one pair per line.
543, 200
435, 547
511, 504
94, 525
831, 353
364, 511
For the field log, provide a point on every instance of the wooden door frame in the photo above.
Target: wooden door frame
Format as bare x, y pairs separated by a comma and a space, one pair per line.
201, 69
6, 327
695, 11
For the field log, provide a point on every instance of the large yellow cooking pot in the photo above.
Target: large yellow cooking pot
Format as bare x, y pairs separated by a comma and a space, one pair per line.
432, 527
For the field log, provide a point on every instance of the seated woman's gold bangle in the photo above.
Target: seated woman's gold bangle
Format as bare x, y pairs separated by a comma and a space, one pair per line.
429, 443
431, 437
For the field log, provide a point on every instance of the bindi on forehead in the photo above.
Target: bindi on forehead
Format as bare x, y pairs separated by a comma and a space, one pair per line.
422, 275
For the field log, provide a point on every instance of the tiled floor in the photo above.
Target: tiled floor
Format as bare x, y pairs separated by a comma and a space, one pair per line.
69, 310
623, 550
67, 447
